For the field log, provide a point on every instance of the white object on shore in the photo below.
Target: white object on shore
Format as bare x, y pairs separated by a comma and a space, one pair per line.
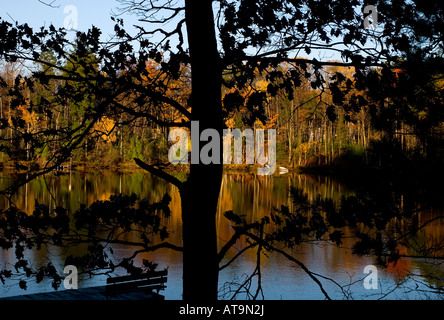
283, 170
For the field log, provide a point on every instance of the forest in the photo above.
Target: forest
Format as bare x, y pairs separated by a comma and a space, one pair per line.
313, 131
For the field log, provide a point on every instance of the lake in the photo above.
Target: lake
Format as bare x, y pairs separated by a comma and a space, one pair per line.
249, 194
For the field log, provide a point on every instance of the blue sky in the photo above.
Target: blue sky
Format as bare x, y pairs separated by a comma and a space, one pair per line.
89, 12
36, 14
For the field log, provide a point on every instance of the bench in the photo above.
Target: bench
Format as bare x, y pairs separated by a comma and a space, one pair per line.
147, 282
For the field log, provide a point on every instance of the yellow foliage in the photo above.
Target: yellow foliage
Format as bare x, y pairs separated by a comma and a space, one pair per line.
105, 127
258, 124
262, 85
269, 123
307, 146
31, 118
230, 123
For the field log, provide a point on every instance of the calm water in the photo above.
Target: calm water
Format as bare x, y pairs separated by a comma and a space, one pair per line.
251, 195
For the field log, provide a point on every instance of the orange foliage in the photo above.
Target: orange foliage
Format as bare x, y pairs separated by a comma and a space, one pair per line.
400, 267
31, 118
105, 127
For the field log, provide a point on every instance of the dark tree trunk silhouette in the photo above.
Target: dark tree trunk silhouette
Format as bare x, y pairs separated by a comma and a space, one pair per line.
201, 191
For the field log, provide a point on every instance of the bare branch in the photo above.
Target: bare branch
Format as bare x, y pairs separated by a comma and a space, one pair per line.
51, 4
159, 173
238, 255
289, 257
149, 116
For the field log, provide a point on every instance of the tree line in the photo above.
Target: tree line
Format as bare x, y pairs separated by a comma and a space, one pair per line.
313, 130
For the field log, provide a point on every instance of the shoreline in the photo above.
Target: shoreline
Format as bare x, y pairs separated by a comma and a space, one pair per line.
340, 172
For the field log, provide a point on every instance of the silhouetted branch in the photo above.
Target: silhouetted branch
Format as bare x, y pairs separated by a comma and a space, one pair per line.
238, 233
159, 173
151, 117
289, 257
62, 158
415, 230
316, 62
51, 4
150, 13
238, 255
164, 245
245, 286
258, 264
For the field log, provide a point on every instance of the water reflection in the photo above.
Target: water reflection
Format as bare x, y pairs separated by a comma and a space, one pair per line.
252, 195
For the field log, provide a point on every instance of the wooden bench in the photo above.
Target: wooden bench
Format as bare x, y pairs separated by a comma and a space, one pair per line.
147, 282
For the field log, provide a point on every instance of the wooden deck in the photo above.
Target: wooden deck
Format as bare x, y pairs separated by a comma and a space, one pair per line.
82, 294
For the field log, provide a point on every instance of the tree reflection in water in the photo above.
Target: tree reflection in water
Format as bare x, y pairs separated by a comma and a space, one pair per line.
317, 238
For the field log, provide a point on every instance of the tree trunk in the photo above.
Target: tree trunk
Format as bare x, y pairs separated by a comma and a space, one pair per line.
290, 134
201, 191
